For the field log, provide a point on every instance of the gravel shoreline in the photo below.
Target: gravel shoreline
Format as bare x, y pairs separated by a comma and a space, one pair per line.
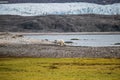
15, 45
55, 51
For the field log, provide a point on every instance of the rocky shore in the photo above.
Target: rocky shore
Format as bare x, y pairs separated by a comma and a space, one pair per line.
12, 45
54, 51
12, 38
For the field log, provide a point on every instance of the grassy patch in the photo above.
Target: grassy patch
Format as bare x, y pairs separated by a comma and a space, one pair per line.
59, 69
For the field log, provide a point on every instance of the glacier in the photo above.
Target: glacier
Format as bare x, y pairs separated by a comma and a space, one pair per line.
36, 9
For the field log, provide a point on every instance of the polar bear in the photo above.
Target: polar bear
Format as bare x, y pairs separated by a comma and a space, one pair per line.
60, 42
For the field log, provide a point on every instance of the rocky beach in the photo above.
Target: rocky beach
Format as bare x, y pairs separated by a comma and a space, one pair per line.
16, 45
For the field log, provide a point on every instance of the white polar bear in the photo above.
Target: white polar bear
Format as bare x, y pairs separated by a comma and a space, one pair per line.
60, 42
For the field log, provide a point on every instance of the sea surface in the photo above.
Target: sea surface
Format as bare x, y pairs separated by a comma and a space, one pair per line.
84, 40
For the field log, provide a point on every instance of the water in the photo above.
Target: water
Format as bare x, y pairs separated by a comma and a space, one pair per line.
84, 40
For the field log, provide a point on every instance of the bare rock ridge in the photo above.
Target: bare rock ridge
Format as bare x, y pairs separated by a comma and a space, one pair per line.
63, 1
63, 23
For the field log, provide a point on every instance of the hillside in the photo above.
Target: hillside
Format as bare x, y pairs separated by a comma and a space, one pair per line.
35, 9
63, 1
63, 23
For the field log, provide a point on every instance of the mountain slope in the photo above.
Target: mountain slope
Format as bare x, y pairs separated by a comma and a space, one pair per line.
31, 9
63, 1
66, 23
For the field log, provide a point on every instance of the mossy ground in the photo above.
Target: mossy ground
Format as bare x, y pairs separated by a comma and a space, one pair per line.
59, 69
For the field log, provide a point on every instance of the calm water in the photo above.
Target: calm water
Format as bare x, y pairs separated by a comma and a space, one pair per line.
84, 40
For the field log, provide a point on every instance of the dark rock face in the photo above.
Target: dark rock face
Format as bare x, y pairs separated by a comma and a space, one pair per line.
63, 1
55, 23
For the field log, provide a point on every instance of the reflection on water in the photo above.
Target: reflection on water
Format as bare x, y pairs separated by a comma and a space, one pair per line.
84, 40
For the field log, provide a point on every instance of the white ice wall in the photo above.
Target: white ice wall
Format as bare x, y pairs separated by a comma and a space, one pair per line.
33, 9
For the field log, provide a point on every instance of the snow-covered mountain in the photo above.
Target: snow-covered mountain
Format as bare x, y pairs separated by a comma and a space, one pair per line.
34, 9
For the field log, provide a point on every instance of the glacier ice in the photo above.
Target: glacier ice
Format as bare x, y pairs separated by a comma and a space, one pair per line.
34, 9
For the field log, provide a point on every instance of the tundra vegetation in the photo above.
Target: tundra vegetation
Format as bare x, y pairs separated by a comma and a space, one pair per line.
59, 69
